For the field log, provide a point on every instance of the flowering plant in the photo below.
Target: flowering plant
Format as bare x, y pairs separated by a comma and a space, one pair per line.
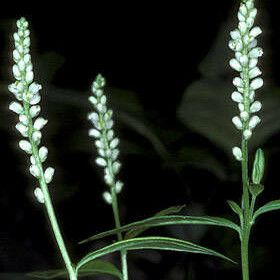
27, 93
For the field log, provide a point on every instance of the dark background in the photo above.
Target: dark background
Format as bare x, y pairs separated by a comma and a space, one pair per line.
169, 85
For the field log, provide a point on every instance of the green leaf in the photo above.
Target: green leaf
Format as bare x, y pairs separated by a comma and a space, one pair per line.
91, 268
166, 221
235, 207
258, 167
160, 243
270, 206
139, 230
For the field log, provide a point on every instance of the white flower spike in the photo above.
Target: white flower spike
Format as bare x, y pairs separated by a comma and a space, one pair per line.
27, 93
244, 43
105, 141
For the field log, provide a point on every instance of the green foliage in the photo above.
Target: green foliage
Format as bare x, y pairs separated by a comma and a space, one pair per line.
96, 267
270, 206
159, 243
166, 221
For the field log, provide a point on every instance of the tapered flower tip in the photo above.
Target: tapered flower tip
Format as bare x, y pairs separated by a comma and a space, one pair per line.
22, 23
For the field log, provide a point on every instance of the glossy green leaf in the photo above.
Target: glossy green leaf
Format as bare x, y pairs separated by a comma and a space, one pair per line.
169, 211
270, 206
159, 243
166, 221
235, 207
96, 267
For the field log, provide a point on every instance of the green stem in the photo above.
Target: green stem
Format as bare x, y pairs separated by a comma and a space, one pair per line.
246, 226
48, 203
244, 254
115, 207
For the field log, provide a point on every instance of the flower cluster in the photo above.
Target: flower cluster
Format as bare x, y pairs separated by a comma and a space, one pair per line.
105, 140
26, 107
244, 43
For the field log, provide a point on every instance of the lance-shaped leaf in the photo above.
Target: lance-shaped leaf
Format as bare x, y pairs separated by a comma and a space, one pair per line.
159, 243
165, 221
97, 267
270, 206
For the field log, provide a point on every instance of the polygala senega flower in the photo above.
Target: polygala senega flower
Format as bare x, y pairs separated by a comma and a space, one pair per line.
244, 43
105, 140
27, 93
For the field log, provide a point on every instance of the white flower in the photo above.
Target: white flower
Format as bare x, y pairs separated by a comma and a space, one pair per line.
107, 197
40, 123
16, 107
234, 64
23, 119
244, 115
35, 99
255, 31
238, 82
256, 83
101, 161
43, 153
237, 122
253, 63
34, 88
39, 195
37, 136
114, 143
237, 153
29, 76
254, 121
237, 97
25, 146
16, 72
254, 72
256, 52
119, 186
48, 174
22, 129
94, 133
241, 107
247, 134
92, 100
235, 34
35, 171
35, 111
255, 107
244, 60
116, 167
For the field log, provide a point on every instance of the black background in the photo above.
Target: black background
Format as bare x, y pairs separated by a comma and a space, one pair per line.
154, 51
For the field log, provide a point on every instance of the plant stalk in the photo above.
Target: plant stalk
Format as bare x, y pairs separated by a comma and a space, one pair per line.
246, 226
115, 207
48, 203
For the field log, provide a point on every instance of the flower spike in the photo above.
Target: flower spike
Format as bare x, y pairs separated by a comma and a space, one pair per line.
244, 43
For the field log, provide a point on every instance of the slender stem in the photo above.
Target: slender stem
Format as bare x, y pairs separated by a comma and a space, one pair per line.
115, 207
48, 203
244, 254
246, 226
